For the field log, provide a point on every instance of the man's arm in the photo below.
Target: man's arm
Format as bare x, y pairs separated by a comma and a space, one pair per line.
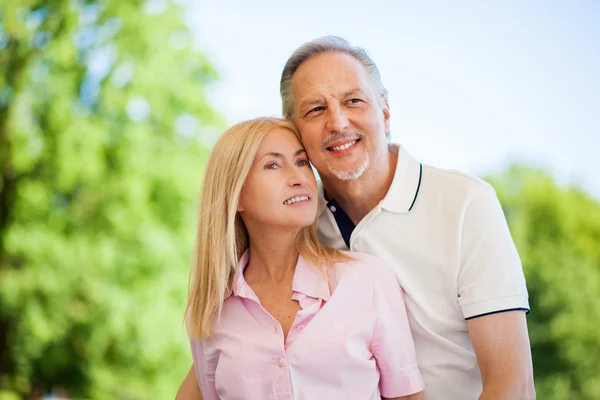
501, 344
493, 298
189, 389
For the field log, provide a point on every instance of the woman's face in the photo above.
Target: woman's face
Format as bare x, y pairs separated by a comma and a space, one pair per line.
280, 190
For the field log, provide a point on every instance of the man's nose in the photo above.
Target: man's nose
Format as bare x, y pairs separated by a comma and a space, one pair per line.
337, 121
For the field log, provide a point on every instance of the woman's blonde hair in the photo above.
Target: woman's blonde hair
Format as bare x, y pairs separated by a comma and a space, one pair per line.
221, 236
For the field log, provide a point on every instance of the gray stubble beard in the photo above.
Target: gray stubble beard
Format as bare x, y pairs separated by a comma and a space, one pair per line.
353, 174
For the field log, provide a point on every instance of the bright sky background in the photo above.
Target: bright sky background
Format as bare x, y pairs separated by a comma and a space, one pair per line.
474, 85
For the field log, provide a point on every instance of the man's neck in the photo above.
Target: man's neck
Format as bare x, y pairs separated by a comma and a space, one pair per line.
359, 196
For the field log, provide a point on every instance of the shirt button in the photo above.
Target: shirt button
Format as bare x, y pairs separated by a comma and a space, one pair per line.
301, 327
279, 363
333, 209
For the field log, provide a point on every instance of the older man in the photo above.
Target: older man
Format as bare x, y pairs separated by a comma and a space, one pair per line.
443, 232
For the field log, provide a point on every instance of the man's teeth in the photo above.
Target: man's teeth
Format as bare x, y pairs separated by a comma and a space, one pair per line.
295, 199
344, 146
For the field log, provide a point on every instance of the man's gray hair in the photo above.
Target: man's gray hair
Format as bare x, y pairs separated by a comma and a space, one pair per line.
325, 44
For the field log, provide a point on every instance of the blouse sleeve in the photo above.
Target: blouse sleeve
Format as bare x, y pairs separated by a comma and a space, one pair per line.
205, 371
392, 343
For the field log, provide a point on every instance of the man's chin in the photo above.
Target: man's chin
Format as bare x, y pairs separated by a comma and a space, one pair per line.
349, 174
350, 168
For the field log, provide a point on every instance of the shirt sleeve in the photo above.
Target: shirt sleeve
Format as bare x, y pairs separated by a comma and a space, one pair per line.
491, 278
392, 344
205, 371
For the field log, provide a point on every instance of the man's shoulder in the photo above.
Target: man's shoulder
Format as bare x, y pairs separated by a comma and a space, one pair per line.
454, 178
433, 186
452, 184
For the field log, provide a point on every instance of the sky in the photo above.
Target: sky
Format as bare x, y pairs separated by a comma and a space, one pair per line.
474, 86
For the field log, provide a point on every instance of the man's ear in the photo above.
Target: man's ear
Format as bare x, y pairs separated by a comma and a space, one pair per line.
386, 114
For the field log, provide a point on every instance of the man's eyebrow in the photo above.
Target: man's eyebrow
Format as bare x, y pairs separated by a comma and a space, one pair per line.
310, 102
315, 101
279, 155
353, 92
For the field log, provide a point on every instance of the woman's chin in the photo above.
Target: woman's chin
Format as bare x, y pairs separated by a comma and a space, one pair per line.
299, 223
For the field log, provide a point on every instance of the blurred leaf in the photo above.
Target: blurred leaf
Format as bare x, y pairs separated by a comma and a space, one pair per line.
99, 179
557, 232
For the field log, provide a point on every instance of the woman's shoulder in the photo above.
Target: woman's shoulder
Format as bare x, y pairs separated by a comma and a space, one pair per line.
364, 265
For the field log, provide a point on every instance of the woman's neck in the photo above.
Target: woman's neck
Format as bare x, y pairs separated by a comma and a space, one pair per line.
273, 256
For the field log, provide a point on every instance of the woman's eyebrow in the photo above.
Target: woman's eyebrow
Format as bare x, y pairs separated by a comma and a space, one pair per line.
279, 155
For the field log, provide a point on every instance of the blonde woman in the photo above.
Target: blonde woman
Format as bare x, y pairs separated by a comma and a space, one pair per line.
272, 313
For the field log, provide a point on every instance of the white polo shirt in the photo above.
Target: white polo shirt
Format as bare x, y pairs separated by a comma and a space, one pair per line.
446, 237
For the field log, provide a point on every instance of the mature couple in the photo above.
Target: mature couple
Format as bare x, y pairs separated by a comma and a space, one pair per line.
392, 279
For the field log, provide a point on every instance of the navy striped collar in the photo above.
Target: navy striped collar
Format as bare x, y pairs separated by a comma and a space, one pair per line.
404, 191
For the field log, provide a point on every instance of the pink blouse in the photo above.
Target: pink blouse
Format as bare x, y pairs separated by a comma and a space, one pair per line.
350, 340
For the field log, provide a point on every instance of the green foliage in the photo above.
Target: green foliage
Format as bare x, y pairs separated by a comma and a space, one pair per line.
557, 232
104, 129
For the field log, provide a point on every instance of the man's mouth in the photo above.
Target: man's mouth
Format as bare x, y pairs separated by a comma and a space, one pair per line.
344, 146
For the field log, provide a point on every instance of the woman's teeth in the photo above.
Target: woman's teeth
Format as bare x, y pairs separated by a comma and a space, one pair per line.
295, 199
344, 146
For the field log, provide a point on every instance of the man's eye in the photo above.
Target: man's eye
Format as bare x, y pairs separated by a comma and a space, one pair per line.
271, 166
355, 101
302, 163
315, 110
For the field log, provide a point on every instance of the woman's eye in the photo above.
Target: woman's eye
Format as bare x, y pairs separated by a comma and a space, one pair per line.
302, 163
271, 166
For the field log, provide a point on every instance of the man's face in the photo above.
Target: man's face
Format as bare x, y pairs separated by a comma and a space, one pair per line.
341, 118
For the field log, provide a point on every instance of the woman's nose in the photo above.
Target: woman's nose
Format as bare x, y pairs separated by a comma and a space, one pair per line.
296, 178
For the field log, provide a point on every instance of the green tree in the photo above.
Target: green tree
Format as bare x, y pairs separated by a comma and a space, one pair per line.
104, 128
557, 232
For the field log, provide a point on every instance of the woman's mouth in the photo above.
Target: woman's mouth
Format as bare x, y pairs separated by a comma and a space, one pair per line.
296, 199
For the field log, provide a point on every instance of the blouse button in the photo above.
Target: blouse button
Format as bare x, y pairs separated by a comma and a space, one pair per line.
333, 209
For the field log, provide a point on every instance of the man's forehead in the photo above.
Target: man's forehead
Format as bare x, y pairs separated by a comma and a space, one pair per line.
329, 67
336, 74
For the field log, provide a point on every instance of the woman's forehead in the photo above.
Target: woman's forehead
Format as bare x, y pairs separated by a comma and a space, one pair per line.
279, 142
